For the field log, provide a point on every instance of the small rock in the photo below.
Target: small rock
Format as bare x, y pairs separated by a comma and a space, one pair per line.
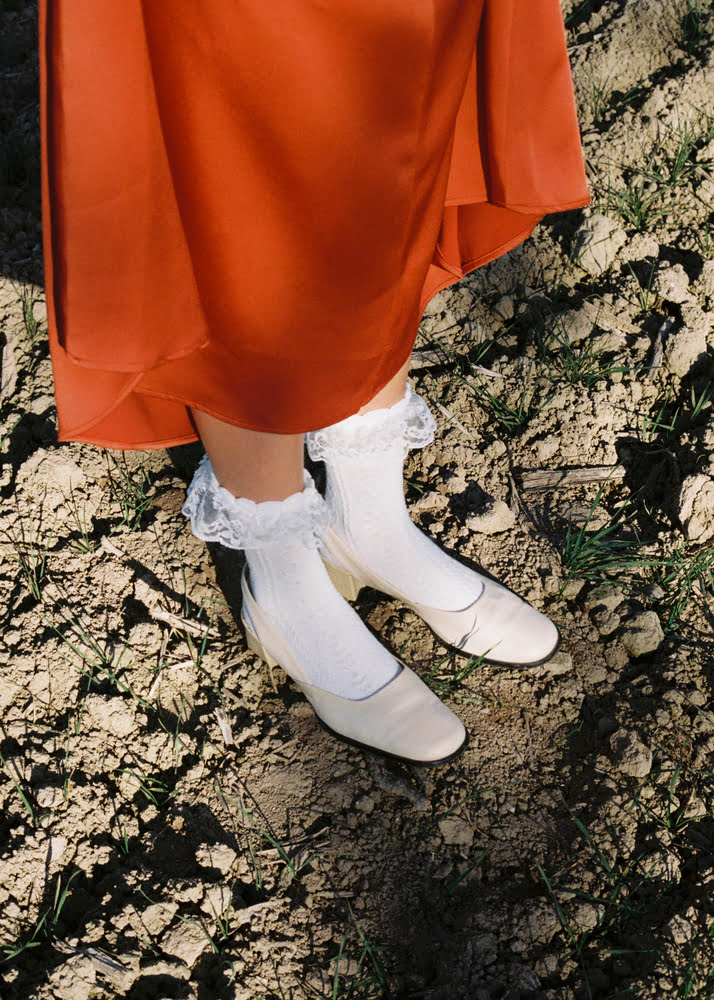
594, 672
457, 831
74, 979
572, 588
695, 318
606, 595
680, 930
430, 503
505, 308
697, 697
496, 518
496, 449
216, 900
156, 918
609, 342
541, 924
49, 797
56, 848
8, 371
186, 942
9, 691
561, 663
706, 279
50, 476
545, 449
642, 634
615, 656
639, 246
485, 949
597, 243
587, 915
672, 284
219, 856
696, 507
575, 326
683, 348
113, 715
339, 793
632, 757
606, 621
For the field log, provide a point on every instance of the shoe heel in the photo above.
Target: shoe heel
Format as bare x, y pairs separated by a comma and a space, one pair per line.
256, 646
344, 582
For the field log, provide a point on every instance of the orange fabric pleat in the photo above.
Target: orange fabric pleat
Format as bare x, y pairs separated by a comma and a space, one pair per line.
247, 206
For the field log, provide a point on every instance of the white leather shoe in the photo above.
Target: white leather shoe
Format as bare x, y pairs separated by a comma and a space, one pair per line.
498, 626
404, 719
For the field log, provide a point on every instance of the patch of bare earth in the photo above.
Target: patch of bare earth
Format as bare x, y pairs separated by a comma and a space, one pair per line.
174, 823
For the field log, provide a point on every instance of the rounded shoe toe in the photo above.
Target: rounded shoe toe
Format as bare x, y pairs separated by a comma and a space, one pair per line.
508, 631
531, 639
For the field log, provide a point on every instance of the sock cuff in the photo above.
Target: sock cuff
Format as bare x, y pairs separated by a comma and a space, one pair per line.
217, 515
408, 423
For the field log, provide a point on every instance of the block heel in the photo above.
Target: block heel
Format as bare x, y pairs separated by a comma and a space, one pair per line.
256, 646
344, 582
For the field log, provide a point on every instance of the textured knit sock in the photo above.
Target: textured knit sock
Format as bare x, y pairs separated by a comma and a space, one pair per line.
364, 457
290, 584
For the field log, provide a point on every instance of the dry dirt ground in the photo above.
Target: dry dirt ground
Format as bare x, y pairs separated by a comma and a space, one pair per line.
173, 825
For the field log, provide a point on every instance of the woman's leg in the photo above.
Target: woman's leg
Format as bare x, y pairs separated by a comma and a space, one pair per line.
374, 538
260, 499
252, 464
262, 466
392, 392
272, 512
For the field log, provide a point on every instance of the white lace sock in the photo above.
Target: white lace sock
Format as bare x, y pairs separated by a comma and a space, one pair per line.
364, 457
289, 581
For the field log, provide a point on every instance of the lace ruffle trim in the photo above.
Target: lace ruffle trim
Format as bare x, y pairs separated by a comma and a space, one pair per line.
238, 523
409, 423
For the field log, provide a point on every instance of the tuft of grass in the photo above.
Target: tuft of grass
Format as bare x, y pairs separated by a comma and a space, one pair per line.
650, 191
30, 553
514, 413
670, 806
130, 491
692, 20
686, 574
154, 790
450, 681
44, 929
644, 294
25, 794
83, 542
580, 365
599, 102
33, 330
639, 202
666, 424
598, 554
98, 660
366, 978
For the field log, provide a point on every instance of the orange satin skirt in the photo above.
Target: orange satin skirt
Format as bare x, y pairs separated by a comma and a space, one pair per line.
248, 205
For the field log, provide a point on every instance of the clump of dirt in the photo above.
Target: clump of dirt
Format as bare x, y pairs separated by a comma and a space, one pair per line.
175, 824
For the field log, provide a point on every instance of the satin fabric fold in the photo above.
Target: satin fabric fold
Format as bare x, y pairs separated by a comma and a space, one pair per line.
247, 206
